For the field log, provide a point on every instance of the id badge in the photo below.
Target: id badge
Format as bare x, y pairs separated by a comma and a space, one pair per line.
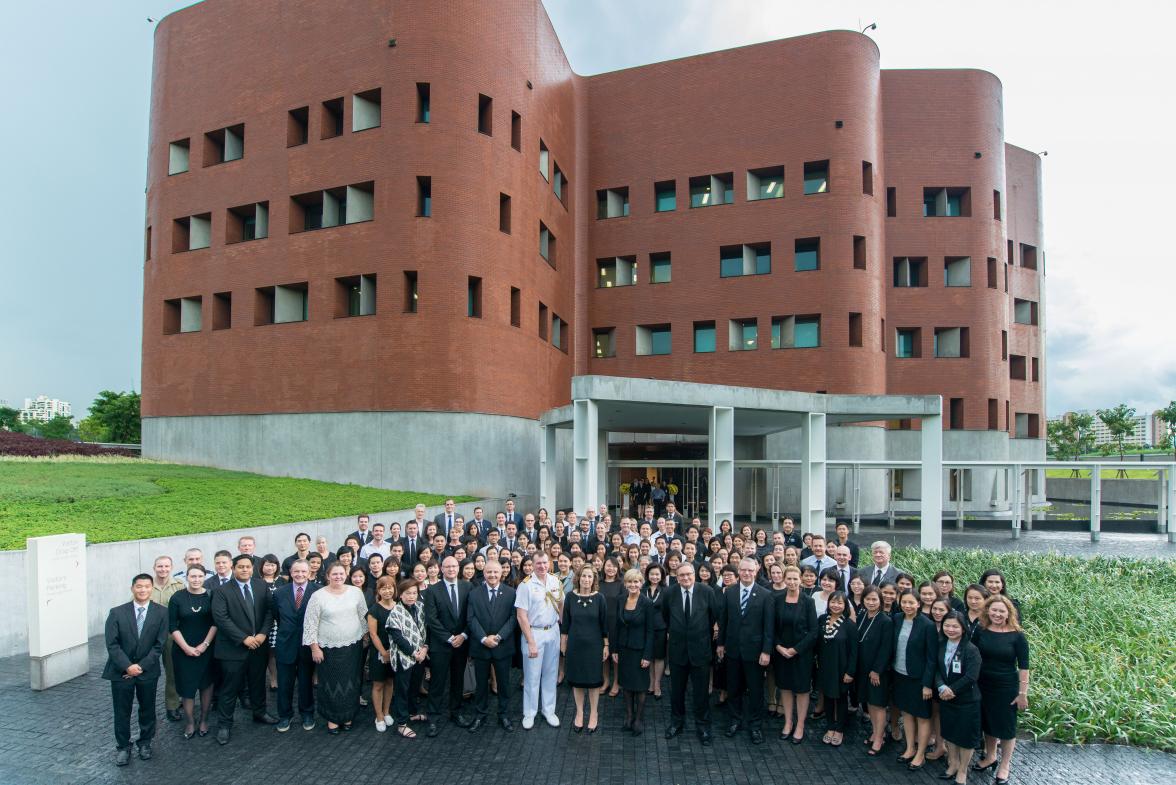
955, 666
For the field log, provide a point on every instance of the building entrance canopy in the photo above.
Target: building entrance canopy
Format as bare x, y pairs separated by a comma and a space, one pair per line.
601, 404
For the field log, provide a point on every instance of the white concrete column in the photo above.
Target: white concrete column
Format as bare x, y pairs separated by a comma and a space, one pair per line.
1015, 493
1095, 503
547, 469
1170, 512
931, 484
601, 468
812, 472
585, 454
721, 466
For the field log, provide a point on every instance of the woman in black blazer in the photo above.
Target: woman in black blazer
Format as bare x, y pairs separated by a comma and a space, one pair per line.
632, 640
837, 653
914, 673
957, 667
795, 619
875, 651
655, 585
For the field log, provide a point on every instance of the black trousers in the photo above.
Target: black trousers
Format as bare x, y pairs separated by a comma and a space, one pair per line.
406, 692
837, 707
446, 675
125, 692
699, 678
746, 676
250, 673
501, 666
302, 672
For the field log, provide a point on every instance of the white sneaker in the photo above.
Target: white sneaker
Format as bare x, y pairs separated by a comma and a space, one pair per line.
381, 726
388, 721
552, 720
528, 723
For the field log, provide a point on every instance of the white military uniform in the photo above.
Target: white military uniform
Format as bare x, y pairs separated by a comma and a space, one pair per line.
542, 601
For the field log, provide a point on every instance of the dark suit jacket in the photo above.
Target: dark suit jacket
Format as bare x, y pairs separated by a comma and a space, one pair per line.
439, 519
637, 635
235, 620
288, 641
411, 559
517, 520
440, 617
867, 574
747, 636
126, 647
921, 648
364, 539
963, 684
690, 640
483, 620
677, 519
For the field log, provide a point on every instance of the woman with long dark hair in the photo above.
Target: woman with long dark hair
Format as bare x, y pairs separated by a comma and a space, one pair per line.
875, 650
957, 668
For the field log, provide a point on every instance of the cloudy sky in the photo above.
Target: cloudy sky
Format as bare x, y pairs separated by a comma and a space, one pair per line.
1089, 82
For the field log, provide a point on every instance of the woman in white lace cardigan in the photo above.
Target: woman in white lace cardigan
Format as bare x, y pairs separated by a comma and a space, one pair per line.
406, 634
336, 622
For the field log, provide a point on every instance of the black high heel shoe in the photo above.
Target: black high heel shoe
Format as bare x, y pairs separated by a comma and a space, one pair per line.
978, 767
1001, 781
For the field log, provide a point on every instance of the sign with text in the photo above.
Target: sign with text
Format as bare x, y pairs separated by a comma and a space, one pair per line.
56, 570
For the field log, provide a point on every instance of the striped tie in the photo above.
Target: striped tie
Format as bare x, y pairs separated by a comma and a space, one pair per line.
743, 602
140, 618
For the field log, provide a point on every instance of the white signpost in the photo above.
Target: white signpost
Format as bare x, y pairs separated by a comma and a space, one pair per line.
56, 569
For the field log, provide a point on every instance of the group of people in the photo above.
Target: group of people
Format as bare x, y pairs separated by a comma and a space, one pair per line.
777, 624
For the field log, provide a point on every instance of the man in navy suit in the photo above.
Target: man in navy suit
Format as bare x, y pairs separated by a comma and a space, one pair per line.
746, 625
241, 612
288, 607
135, 632
449, 647
491, 617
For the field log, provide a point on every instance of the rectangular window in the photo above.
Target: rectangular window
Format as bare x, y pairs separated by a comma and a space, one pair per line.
474, 297
147, 245
544, 159
747, 259
993, 414
910, 271
516, 307
504, 213
192, 233
1017, 368
222, 310
957, 271
559, 186
807, 254
423, 108
947, 202
224, 145
424, 197
891, 202
543, 321
298, 126
410, 291
1004, 344
1035, 369
711, 189
907, 342
952, 342
867, 178
665, 196
742, 335
1024, 311
616, 271
1009, 254
178, 157
859, 252
612, 203
766, 183
882, 335
992, 282
855, 329
955, 414
796, 332
332, 118
559, 333
816, 177
347, 204
1027, 426
704, 337
281, 304
247, 222
996, 205
604, 342
546, 244
486, 115
659, 267
516, 131
182, 315
355, 295
365, 110
1028, 257
653, 339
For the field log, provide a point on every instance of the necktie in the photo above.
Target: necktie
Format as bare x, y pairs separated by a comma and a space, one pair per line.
493, 595
448, 524
453, 597
688, 606
411, 550
140, 618
297, 597
877, 576
844, 581
743, 602
245, 590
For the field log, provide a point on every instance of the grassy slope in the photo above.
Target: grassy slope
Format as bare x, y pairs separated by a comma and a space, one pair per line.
124, 500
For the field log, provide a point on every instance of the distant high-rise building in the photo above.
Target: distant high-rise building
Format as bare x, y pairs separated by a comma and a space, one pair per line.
44, 409
1143, 435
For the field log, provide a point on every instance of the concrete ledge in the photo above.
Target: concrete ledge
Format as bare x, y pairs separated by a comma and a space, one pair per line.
59, 667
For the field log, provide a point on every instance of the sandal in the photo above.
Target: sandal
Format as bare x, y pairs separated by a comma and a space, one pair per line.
826, 739
406, 731
837, 742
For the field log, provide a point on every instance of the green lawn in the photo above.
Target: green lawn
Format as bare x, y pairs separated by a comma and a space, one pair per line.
1107, 474
112, 500
1101, 640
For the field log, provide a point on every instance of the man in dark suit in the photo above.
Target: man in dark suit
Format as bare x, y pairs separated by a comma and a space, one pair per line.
446, 520
672, 514
364, 532
691, 614
512, 515
529, 527
491, 619
413, 544
746, 619
881, 570
241, 613
483, 524
445, 612
288, 607
135, 632
842, 538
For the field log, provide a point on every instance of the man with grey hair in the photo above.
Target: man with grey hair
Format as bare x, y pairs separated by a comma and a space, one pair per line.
191, 556
690, 611
881, 571
746, 627
446, 602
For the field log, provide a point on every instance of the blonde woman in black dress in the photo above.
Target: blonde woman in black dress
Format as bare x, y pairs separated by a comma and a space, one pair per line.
584, 643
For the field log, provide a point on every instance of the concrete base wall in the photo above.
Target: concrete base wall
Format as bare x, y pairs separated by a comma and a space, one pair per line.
438, 452
1134, 493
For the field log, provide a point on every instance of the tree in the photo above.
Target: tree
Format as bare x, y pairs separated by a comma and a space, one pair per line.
60, 427
1120, 421
119, 414
9, 418
1071, 437
1167, 416
91, 430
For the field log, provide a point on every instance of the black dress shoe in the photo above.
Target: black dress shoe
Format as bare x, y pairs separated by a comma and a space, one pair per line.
265, 719
476, 725
222, 736
122, 757
460, 721
733, 728
757, 737
1000, 781
673, 731
797, 739
432, 731
705, 738
145, 751
506, 724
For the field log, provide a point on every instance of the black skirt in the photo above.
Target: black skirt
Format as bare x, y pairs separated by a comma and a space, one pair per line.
192, 673
908, 696
959, 723
338, 683
630, 674
998, 714
379, 671
869, 695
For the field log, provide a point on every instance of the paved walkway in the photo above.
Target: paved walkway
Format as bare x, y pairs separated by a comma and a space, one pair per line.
63, 736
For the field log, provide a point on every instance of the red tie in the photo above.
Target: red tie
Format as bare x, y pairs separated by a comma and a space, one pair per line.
297, 597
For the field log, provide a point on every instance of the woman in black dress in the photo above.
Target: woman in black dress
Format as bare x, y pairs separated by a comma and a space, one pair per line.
792, 659
655, 580
875, 649
837, 657
271, 573
914, 673
612, 588
584, 643
190, 623
632, 640
1004, 682
380, 669
957, 667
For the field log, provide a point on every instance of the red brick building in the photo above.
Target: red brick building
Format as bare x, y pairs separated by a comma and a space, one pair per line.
380, 228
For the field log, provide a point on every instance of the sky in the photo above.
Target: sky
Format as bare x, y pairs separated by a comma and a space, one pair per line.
1088, 82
